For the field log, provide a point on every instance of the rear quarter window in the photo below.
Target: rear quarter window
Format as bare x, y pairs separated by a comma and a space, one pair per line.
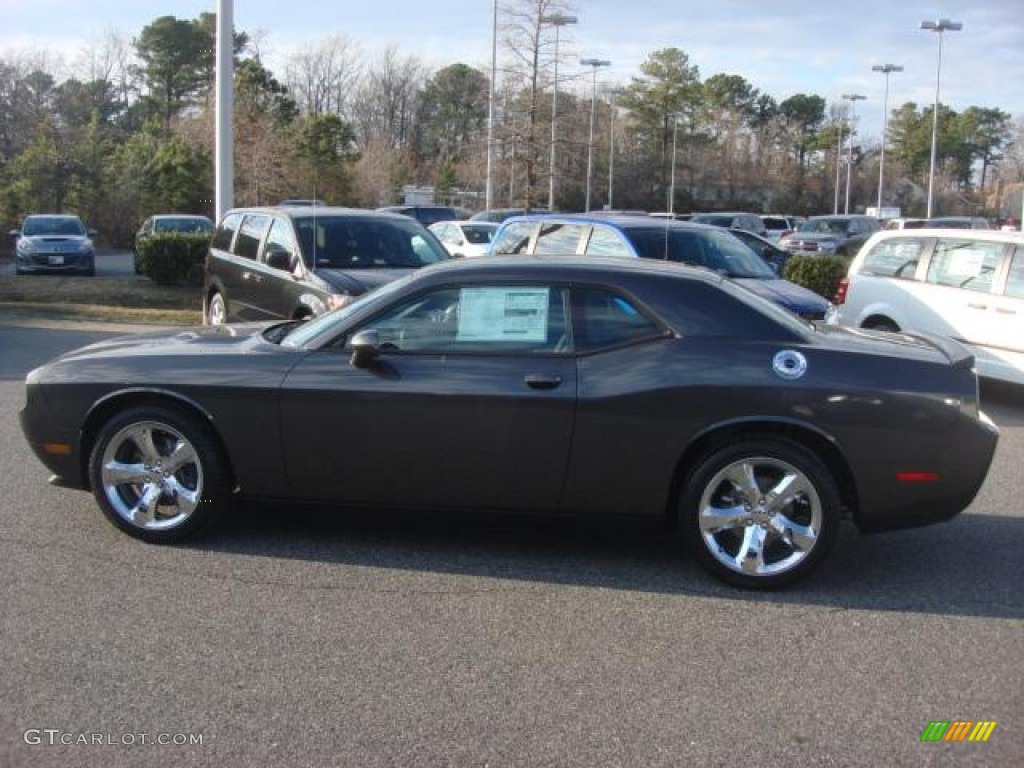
967, 264
557, 239
226, 232
514, 238
894, 258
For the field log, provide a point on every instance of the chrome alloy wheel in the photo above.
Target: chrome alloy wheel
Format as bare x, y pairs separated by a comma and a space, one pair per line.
217, 311
151, 475
760, 516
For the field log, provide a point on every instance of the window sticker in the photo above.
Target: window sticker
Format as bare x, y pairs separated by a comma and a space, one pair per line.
503, 314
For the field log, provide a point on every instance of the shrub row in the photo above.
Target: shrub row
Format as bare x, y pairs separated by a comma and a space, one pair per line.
820, 274
173, 257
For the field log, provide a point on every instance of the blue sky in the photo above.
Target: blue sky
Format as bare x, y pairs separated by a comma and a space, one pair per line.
781, 46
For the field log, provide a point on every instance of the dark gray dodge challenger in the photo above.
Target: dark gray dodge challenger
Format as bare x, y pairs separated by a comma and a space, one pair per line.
569, 386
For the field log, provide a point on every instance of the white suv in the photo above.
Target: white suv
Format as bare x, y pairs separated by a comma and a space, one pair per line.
966, 284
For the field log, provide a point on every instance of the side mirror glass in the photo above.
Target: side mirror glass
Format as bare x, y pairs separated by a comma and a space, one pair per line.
279, 258
365, 347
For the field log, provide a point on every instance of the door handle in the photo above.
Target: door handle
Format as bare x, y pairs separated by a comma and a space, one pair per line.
536, 381
1003, 311
977, 306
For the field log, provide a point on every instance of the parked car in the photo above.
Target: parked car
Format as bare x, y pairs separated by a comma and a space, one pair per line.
839, 235
968, 286
166, 224
957, 222
903, 223
763, 247
665, 239
579, 386
54, 243
465, 238
497, 215
302, 202
425, 214
280, 263
751, 222
778, 226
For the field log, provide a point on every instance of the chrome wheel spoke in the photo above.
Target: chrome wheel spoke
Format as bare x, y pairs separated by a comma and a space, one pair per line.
182, 454
144, 512
750, 557
714, 520
185, 499
118, 473
801, 538
741, 476
789, 487
142, 436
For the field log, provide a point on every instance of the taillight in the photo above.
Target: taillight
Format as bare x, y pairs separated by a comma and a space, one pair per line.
841, 290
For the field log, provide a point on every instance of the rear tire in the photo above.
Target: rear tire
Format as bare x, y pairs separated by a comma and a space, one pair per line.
216, 310
760, 513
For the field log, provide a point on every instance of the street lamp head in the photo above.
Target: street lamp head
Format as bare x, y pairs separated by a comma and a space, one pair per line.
595, 63
942, 25
854, 97
558, 19
886, 68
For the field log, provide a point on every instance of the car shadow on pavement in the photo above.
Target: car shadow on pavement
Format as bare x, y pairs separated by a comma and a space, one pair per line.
967, 567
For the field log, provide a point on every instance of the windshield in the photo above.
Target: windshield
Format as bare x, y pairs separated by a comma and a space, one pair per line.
328, 325
719, 251
478, 234
827, 226
53, 225
348, 242
183, 225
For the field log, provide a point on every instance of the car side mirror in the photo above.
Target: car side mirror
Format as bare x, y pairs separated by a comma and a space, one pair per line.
279, 258
91, 232
365, 347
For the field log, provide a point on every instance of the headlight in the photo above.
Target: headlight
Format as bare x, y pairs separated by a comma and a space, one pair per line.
85, 247
26, 246
337, 300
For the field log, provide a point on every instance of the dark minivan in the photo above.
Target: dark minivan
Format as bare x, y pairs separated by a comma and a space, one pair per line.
293, 263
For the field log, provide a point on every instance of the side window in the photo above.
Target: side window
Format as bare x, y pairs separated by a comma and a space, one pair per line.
897, 257
968, 264
605, 241
514, 238
602, 318
247, 244
518, 319
557, 239
226, 232
1015, 277
280, 236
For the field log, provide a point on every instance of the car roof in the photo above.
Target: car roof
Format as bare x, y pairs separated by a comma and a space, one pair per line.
570, 267
620, 221
322, 212
990, 235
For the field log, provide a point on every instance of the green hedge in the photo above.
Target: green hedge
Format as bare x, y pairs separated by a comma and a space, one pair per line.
820, 274
173, 257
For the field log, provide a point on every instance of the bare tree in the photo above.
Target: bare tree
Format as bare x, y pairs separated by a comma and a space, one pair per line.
528, 37
323, 77
387, 98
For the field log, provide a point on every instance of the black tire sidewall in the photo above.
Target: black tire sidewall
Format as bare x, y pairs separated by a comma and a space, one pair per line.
784, 450
216, 492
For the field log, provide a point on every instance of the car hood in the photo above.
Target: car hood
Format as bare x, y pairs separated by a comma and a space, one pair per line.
354, 282
793, 297
814, 237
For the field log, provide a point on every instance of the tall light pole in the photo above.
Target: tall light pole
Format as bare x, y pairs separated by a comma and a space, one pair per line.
886, 69
489, 184
671, 202
839, 160
853, 98
224, 141
593, 64
612, 93
940, 26
557, 20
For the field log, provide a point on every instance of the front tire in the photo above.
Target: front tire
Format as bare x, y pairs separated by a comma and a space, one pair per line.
158, 474
216, 310
759, 514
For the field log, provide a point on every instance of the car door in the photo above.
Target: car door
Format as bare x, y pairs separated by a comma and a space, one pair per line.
247, 293
469, 405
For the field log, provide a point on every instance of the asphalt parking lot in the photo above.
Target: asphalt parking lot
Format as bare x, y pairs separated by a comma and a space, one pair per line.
310, 637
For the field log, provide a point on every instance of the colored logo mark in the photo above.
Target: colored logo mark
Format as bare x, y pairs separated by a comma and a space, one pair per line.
958, 730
